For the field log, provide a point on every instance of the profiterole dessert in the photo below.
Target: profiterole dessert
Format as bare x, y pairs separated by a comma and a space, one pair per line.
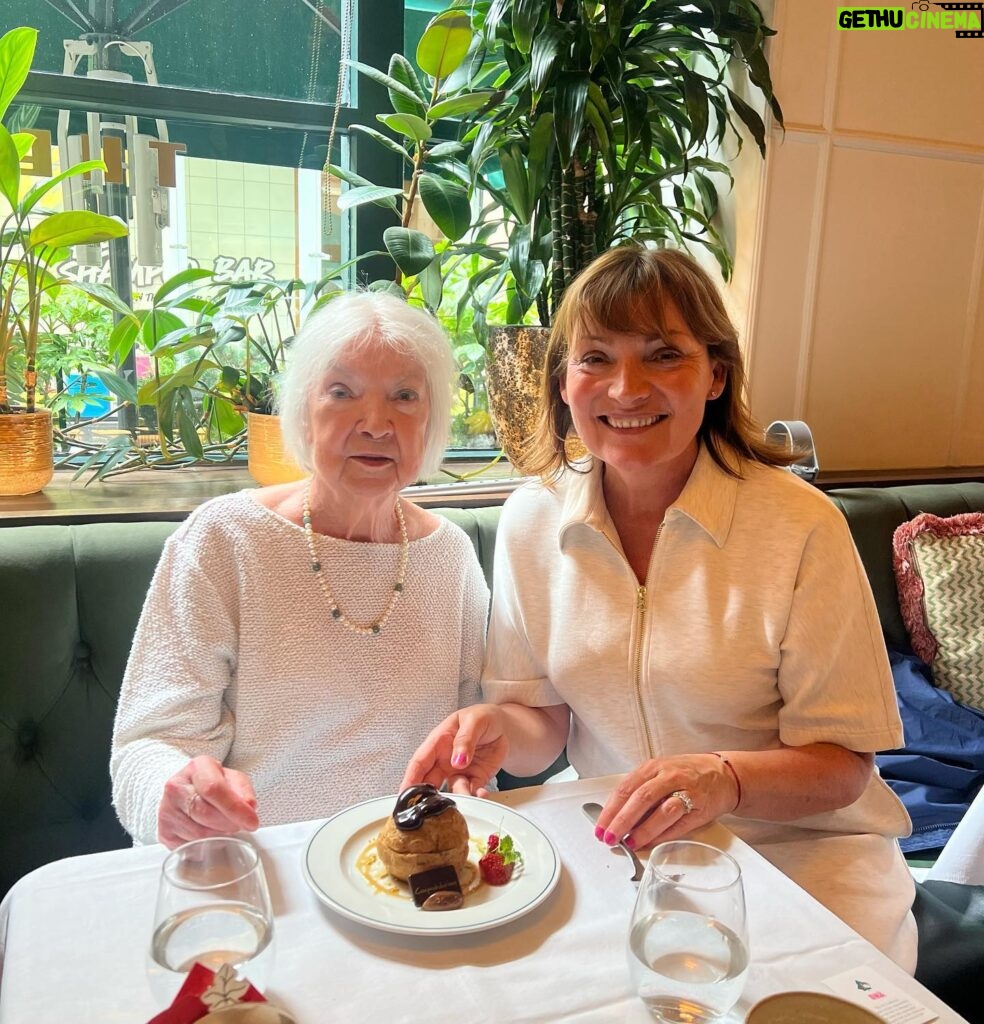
426, 830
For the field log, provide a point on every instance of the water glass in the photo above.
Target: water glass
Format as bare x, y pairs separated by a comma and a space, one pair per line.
688, 941
213, 907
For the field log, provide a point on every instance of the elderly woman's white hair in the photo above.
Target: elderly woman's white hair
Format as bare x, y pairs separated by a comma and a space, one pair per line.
363, 320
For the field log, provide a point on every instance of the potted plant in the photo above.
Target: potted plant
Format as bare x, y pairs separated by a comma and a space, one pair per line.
216, 350
606, 126
586, 123
31, 243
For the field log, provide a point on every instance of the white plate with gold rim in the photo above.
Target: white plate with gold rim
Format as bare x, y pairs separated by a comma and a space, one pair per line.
331, 868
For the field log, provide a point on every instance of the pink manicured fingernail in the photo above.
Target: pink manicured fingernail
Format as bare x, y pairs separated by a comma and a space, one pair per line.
457, 760
599, 832
630, 842
610, 838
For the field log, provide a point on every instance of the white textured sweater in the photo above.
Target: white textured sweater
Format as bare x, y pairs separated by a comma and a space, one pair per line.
236, 656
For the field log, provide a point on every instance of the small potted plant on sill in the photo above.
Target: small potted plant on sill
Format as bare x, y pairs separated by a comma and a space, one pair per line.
32, 242
216, 351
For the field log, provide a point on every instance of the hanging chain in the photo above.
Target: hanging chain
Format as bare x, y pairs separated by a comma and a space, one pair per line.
344, 53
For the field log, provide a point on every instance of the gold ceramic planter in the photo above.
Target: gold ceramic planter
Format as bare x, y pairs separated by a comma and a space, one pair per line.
514, 377
26, 453
268, 462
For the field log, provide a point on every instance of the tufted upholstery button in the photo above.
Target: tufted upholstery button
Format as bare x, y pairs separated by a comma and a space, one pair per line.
27, 740
83, 654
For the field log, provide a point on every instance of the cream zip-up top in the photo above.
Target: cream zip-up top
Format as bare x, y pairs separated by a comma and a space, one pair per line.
755, 628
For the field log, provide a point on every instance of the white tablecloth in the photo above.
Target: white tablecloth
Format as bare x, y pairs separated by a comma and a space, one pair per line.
74, 933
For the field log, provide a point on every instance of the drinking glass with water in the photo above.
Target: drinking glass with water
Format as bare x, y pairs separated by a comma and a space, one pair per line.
688, 941
213, 907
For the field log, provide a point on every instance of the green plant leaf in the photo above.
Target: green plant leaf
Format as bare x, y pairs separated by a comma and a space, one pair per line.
384, 140
386, 80
122, 338
525, 17
408, 125
157, 325
750, 119
543, 56
389, 287
411, 250
443, 149
123, 389
9, 169
191, 275
467, 103
518, 193
24, 141
75, 227
445, 43
187, 417
34, 195
16, 54
363, 194
432, 284
401, 70
105, 296
447, 203
569, 101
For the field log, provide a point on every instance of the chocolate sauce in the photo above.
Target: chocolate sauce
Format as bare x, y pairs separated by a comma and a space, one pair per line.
417, 803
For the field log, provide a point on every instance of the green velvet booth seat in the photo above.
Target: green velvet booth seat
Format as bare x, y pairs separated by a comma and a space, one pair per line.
70, 597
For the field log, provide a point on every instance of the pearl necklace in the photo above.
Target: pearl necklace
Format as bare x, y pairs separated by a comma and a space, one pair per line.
401, 573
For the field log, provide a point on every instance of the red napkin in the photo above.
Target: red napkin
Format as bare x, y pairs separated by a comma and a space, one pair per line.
204, 991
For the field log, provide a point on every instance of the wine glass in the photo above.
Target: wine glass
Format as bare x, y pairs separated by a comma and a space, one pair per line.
213, 908
688, 944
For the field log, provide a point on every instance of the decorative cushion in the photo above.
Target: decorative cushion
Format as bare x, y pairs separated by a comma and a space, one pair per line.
939, 571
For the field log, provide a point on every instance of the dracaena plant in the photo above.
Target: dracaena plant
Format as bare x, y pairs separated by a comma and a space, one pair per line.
607, 123
33, 241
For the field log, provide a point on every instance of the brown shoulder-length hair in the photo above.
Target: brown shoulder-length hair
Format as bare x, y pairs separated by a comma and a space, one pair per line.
626, 289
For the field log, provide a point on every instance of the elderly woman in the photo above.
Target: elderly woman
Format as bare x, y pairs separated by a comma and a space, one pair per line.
680, 609
297, 641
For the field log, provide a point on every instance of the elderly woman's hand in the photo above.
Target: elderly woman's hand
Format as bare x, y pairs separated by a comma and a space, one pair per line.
668, 797
205, 799
465, 751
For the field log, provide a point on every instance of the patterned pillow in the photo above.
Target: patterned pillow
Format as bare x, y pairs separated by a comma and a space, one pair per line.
939, 571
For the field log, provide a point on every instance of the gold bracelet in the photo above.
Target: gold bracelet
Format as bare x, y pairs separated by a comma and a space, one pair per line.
734, 775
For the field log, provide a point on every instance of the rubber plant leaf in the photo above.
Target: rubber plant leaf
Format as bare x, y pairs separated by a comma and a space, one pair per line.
411, 250
445, 43
447, 203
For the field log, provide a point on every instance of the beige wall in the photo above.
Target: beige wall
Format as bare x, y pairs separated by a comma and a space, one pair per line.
866, 311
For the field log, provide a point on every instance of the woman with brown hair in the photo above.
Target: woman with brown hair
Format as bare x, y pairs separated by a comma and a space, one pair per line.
678, 608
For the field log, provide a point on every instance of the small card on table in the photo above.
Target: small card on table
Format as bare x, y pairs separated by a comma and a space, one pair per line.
866, 987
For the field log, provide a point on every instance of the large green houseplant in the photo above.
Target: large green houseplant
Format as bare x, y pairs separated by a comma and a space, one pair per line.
579, 124
608, 122
31, 243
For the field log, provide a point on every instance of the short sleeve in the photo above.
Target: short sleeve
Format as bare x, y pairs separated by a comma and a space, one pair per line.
513, 672
834, 675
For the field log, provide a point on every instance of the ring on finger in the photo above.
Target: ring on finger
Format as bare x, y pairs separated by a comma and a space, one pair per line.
190, 806
685, 798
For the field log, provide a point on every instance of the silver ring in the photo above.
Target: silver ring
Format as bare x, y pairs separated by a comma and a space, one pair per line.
191, 803
684, 797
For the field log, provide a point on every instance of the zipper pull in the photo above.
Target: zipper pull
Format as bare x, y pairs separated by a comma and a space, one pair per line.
641, 599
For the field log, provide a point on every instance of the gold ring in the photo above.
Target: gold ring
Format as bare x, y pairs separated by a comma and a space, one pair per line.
684, 797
